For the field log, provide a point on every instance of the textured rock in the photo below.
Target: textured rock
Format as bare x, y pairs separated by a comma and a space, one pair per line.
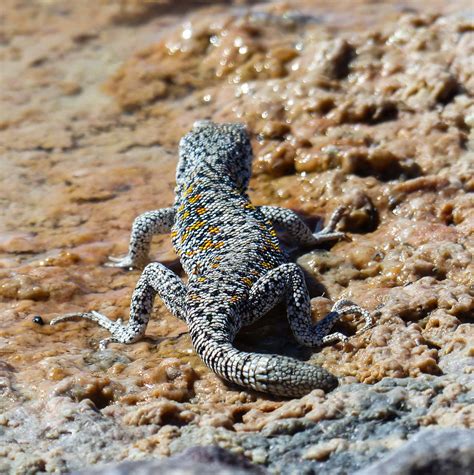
193, 461
350, 102
431, 451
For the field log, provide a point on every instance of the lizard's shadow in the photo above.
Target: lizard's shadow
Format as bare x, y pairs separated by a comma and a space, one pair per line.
272, 333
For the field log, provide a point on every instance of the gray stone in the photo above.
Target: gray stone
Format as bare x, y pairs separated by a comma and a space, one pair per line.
430, 452
193, 461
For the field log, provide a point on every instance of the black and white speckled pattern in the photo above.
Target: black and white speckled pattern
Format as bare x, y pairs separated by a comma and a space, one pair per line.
237, 270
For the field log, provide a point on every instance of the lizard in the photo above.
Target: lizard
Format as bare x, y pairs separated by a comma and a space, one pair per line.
236, 268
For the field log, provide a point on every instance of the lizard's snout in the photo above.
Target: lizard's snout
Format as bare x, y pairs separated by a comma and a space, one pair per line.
200, 124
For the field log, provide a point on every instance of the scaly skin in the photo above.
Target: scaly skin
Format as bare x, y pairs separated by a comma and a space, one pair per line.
237, 270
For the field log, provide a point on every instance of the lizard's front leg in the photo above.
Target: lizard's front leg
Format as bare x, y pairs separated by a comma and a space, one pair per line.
287, 281
155, 279
144, 227
299, 231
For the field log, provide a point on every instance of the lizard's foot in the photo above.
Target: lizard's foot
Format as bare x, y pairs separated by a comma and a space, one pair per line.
329, 233
345, 307
115, 327
335, 338
125, 262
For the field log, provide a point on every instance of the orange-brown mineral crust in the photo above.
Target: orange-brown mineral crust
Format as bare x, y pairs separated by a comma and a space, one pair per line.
354, 103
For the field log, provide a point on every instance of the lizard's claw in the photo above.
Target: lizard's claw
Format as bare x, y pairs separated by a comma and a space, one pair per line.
335, 337
105, 342
329, 233
71, 316
323, 236
115, 327
346, 307
336, 216
97, 317
124, 262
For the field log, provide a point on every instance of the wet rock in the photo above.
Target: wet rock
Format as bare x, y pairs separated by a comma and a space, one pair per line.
353, 104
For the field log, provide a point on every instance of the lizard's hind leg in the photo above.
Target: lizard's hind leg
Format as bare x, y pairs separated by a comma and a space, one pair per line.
155, 279
144, 227
287, 281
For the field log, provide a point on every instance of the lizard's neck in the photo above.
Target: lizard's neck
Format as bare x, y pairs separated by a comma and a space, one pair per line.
214, 178
216, 169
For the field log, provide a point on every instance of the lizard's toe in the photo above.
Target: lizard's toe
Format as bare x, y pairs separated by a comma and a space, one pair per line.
124, 262
69, 316
335, 337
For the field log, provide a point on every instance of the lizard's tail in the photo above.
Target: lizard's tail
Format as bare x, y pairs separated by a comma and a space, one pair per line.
272, 374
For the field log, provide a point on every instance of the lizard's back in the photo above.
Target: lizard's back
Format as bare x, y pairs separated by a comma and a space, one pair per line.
218, 232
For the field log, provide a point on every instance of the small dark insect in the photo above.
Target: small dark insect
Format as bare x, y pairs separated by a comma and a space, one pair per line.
38, 320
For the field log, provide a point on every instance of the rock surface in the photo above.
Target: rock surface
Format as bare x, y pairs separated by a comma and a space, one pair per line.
192, 461
350, 102
430, 451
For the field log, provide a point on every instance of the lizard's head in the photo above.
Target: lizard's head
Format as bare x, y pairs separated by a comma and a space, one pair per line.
224, 147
